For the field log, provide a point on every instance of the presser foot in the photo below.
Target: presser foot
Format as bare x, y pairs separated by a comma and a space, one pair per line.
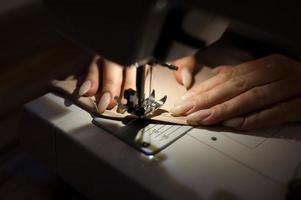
145, 110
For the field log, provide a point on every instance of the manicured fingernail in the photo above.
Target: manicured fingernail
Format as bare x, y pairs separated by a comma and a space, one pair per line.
187, 96
104, 102
235, 122
84, 88
199, 116
182, 108
186, 77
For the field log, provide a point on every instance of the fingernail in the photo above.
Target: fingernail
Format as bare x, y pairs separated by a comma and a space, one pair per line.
84, 87
182, 108
187, 96
104, 102
186, 77
193, 123
199, 115
235, 122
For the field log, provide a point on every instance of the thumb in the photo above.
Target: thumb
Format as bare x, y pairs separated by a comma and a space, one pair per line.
184, 75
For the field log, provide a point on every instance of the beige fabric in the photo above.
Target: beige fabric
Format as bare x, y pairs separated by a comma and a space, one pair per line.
163, 82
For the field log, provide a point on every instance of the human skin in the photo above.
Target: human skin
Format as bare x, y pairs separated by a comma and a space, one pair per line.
108, 79
255, 94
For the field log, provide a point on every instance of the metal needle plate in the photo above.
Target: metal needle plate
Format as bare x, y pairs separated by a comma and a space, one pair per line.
149, 138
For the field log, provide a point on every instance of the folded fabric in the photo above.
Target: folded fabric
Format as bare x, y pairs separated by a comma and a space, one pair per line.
163, 82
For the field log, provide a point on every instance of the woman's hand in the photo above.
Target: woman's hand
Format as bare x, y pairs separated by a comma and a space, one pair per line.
254, 94
109, 79
184, 74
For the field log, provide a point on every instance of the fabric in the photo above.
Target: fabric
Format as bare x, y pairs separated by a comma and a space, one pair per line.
163, 82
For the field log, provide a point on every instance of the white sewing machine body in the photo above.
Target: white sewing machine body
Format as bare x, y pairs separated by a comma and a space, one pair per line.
202, 164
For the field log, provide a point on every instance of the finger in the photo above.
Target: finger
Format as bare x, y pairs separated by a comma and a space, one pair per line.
189, 102
111, 85
235, 87
222, 69
252, 100
223, 74
91, 83
129, 79
229, 73
279, 114
214, 81
184, 74
264, 62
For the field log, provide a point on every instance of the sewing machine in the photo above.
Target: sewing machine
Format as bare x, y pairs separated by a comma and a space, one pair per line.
166, 32
203, 163
154, 32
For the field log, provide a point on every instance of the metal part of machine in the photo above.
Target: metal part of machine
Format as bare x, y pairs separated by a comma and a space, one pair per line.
144, 32
136, 103
147, 32
133, 31
196, 167
136, 31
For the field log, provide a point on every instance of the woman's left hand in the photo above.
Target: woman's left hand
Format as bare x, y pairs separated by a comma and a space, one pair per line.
252, 95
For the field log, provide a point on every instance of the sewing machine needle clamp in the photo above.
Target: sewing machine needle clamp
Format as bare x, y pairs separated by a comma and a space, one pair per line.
136, 103
150, 105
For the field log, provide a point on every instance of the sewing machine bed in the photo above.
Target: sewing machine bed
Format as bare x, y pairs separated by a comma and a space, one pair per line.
203, 163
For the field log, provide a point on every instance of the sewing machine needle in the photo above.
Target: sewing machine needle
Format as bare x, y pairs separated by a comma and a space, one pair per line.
150, 79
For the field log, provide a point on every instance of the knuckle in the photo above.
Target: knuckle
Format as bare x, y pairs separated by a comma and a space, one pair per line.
112, 87
110, 82
113, 81
227, 75
204, 101
218, 114
225, 69
130, 82
258, 94
284, 110
240, 83
220, 111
